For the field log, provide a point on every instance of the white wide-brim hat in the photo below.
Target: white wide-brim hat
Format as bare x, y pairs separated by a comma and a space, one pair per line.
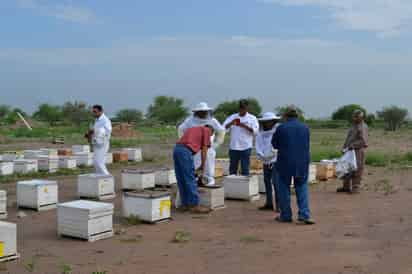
269, 116
201, 107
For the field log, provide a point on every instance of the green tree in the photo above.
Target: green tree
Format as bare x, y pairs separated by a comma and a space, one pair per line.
4, 111
49, 113
393, 116
167, 110
129, 116
76, 112
225, 109
344, 113
282, 109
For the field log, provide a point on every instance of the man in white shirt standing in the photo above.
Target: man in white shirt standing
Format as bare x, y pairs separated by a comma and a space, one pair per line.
100, 137
203, 115
243, 126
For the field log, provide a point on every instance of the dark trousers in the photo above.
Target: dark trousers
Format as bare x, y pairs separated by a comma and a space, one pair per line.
270, 176
242, 156
185, 175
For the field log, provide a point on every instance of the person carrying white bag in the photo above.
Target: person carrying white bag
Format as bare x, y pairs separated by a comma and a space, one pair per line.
346, 165
356, 141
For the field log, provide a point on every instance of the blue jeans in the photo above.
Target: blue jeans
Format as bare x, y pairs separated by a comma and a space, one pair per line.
185, 175
302, 196
270, 176
242, 156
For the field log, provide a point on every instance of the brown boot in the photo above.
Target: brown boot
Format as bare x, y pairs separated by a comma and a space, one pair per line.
200, 210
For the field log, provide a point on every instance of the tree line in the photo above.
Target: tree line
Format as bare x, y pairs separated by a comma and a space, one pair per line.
168, 110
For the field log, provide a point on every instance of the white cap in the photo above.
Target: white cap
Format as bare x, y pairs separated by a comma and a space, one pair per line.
201, 107
269, 116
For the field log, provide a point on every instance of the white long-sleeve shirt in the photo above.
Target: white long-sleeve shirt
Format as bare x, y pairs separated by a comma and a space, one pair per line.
264, 148
102, 129
240, 138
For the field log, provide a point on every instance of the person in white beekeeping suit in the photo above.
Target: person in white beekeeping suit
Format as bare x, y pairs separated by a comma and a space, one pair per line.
203, 115
100, 138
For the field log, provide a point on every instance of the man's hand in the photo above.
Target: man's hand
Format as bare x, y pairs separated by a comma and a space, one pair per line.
242, 125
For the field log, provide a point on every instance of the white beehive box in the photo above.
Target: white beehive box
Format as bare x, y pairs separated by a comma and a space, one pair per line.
87, 220
135, 154
66, 162
109, 158
165, 177
80, 149
83, 158
96, 186
6, 168
241, 187
137, 179
50, 152
212, 197
3, 204
313, 170
8, 241
10, 157
37, 194
48, 164
262, 187
148, 206
32, 154
25, 166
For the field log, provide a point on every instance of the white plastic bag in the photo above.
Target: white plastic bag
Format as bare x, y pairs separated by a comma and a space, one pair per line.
347, 164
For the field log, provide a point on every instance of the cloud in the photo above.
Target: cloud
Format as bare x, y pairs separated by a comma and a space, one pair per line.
64, 11
386, 18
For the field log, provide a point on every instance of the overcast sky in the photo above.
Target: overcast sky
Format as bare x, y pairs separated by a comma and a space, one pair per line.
318, 54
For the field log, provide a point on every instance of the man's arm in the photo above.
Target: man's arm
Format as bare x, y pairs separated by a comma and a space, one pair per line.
229, 122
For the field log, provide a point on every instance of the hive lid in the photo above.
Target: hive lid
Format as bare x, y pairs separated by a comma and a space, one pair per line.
137, 171
147, 194
130, 148
25, 161
88, 205
37, 183
6, 163
7, 225
96, 176
3, 193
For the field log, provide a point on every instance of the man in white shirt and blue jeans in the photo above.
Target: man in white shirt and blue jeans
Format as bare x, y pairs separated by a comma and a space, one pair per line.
243, 127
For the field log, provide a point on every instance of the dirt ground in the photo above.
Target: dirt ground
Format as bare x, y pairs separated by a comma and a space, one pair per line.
369, 233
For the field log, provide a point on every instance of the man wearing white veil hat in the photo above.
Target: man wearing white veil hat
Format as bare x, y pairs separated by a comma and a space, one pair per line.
203, 115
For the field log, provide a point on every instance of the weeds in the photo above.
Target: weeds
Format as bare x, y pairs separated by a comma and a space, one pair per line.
182, 237
30, 266
250, 239
132, 220
66, 269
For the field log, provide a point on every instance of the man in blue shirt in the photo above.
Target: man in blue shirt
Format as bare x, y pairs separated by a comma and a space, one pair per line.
292, 140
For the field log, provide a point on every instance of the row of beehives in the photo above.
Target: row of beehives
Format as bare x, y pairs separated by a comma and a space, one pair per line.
50, 160
92, 220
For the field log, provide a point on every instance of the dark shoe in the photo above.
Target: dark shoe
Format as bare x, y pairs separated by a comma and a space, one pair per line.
306, 222
266, 208
342, 190
280, 220
200, 210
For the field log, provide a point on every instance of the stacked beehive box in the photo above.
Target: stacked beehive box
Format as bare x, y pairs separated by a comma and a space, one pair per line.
165, 177
109, 158
3, 204
120, 156
225, 164
85, 220
10, 156
32, 154
80, 148
48, 163
37, 194
134, 154
148, 206
137, 179
25, 166
96, 186
6, 168
67, 162
65, 152
313, 170
212, 197
49, 152
241, 187
325, 171
83, 158
8, 242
